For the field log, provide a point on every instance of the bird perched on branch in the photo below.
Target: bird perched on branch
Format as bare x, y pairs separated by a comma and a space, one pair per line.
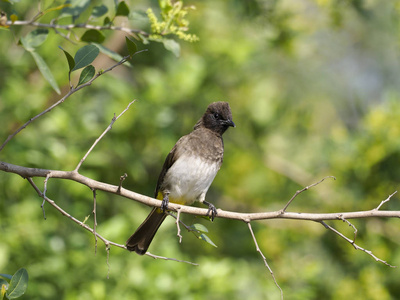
188, 171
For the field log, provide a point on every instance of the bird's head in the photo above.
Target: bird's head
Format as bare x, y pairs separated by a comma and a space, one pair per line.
218, 117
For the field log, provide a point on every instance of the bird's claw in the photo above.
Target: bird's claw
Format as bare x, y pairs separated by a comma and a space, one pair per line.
212, 211
164, 203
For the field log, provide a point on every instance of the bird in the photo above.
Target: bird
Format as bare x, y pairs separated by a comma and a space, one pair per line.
188, 171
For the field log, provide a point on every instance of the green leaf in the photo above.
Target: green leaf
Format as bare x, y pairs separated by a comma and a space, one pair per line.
122, 9
74, 8
18, 284
87, 74
107, 21
173, 46
132, 48
99, 11
44, 69
85, 56
113, 55
8, 276
199, 227
34, 39
93, 35
207, 239
70, 59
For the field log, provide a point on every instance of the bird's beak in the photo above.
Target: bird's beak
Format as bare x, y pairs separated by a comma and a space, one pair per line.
230, 123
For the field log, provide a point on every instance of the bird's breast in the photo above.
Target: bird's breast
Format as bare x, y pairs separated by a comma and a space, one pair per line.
189, 178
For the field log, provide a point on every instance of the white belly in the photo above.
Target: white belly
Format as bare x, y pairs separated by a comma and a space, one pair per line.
188, 179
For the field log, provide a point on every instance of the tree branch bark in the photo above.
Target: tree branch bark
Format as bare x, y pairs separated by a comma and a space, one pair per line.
26, 172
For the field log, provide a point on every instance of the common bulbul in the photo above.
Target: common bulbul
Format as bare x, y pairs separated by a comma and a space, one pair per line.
188, 171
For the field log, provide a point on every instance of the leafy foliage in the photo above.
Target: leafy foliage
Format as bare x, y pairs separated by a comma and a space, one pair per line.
314, 91
17, 286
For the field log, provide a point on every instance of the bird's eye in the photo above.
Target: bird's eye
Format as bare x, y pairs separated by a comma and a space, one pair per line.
217, 116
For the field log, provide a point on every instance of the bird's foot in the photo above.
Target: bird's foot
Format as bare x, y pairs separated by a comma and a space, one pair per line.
165, 202
212, 211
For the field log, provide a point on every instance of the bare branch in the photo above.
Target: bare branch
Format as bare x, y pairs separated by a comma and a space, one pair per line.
69, 27
108, 260
93, 231
180, 221
36, 117
94, 220
263, 257
355, 245
350, 224
101, 136
167, 258
64, 213
304, 189
246, 217
178, 215
386, 200
70, 92
44, 195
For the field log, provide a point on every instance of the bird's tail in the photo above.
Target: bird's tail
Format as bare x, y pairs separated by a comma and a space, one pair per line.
141, 239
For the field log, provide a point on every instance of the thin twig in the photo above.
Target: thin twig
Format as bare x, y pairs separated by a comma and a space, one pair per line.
355, 245
173, 259
35, 117
70, 92
386, 200
350, 224
178, 215
94, 221
64, 213
302, 190
101, 136
65, 36
121, 180
44, 195
180, 221
108, 248
73, 26
263, 257
105, 241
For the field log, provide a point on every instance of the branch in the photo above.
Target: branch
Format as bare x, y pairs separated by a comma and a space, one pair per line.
386, 200
93, 231
73, 26
354, 244
178, 215
101, 136
64, 213
265, 260
304, 189
70, 92
246, 217
95, 220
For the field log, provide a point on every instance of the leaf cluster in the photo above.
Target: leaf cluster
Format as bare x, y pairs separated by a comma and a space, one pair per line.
17, 285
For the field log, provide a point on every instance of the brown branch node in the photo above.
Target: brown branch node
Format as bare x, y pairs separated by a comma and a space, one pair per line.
121, 180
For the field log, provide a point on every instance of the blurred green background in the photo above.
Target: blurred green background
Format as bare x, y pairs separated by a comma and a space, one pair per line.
314, 90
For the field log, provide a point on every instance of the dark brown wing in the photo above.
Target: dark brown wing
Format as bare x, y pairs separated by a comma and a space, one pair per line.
169, 161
